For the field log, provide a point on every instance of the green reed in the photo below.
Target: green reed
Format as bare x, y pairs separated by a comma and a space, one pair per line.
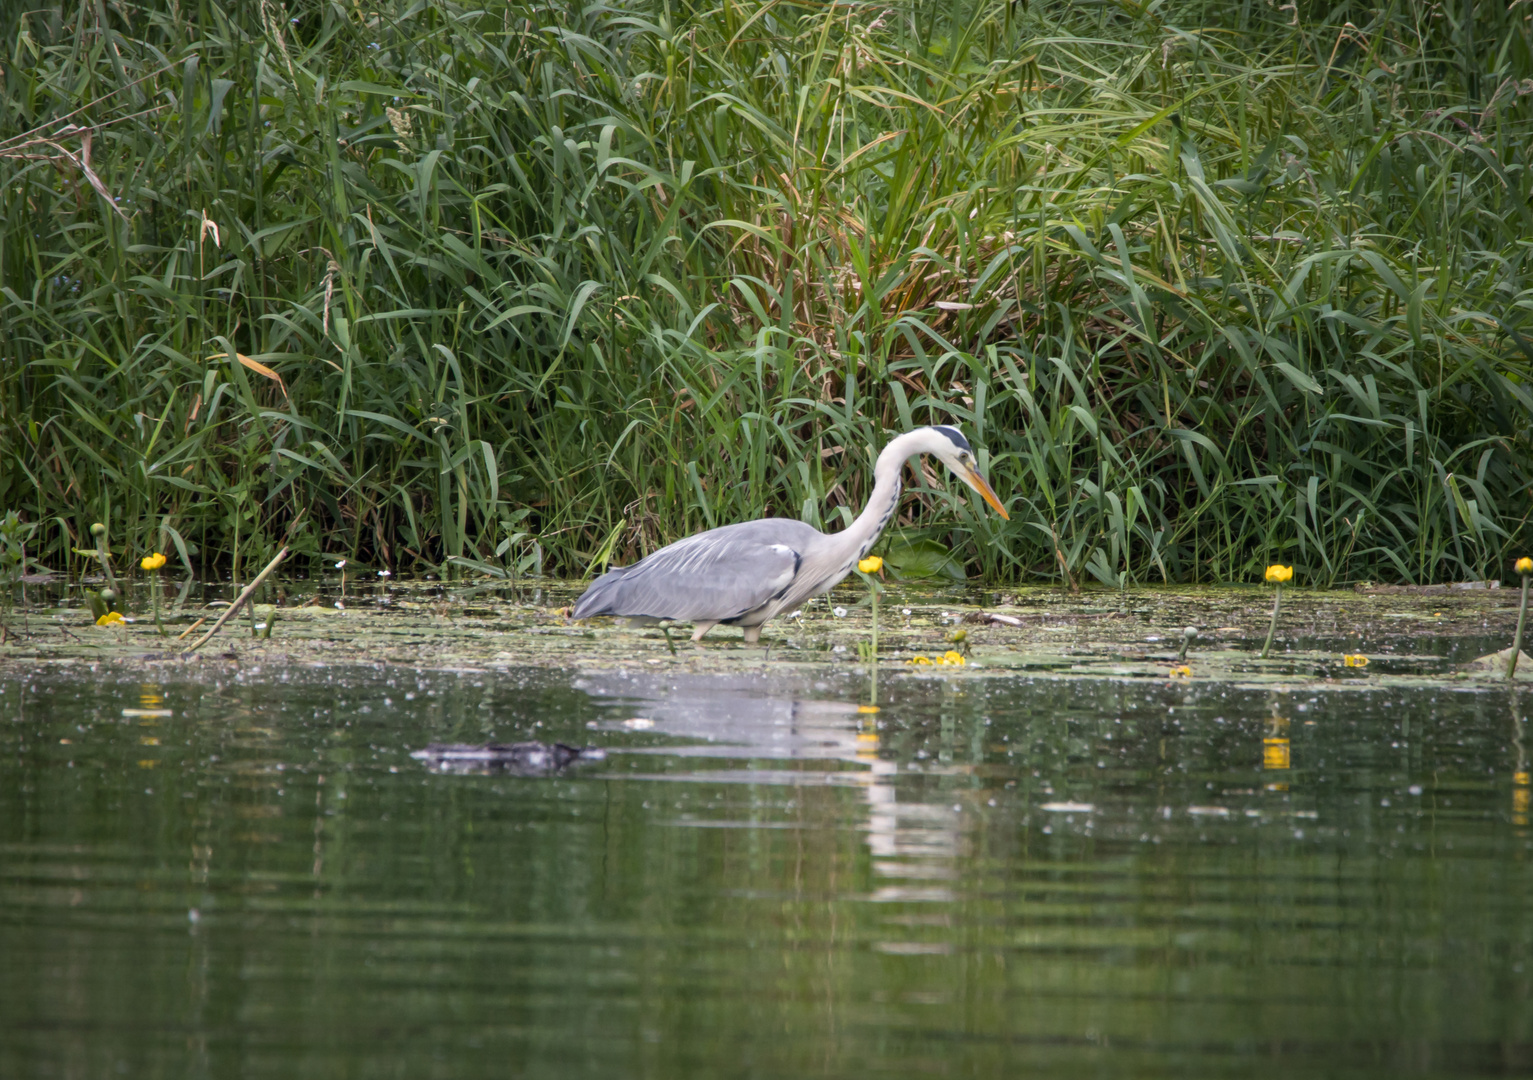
1210, 290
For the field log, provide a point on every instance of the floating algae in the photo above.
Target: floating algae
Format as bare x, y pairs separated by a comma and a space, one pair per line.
1039, 631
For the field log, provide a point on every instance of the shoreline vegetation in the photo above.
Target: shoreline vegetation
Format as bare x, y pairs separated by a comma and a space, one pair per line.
539, 286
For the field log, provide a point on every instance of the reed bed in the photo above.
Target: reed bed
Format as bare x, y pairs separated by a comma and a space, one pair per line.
539, 286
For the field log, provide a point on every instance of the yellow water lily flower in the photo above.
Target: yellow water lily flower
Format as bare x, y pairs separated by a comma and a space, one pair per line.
109, 618
1524, 565
919, 660
871, 565
1277, 573
1355, 660
951, 657
1181, 671
152, 562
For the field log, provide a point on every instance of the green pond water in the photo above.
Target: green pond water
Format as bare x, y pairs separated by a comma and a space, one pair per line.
247, 874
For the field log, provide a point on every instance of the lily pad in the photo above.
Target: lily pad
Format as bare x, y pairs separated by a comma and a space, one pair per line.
923, 559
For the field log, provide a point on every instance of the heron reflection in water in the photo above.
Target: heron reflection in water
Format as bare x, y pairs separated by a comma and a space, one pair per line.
742, 575
782, 727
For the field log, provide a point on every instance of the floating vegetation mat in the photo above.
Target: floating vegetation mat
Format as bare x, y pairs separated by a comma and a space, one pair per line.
1359, 638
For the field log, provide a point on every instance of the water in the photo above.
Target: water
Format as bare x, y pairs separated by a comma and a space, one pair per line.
758, 880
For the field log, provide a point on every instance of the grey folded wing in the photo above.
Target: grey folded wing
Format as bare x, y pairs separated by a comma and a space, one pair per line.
702, 578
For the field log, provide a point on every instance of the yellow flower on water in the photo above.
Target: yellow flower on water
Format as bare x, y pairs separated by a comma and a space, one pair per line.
1524, 565
1355, 660
951, 657
1181, 671
919, 660
109, 618
1277, 573
152, 562
873, 564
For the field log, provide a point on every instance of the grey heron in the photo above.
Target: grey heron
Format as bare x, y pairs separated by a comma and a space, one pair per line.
742, 575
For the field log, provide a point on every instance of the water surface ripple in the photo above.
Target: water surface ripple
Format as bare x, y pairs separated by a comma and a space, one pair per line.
246, 874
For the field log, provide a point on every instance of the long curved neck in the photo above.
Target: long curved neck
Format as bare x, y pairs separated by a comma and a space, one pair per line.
858, 538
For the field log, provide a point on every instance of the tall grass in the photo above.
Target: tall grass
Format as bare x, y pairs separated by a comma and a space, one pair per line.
1214, 284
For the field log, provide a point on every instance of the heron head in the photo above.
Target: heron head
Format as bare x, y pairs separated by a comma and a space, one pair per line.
954, 450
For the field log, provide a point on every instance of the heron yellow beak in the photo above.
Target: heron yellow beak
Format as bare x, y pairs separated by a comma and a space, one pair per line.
977, 482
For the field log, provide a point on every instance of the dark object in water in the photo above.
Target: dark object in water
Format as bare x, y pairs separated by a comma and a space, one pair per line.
514, 759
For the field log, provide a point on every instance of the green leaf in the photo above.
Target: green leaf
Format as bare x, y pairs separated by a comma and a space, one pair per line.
923, 559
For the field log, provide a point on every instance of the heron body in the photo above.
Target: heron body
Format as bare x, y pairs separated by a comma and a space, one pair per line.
742, 575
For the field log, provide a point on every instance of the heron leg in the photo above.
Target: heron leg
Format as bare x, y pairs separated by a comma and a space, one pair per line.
753, 634
701, 629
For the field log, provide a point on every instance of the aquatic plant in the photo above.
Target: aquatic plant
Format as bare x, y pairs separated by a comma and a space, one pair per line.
1524, 567
1276, 575
14, 561
103, 553
952, 656
152, 563
1203, 280
867, 568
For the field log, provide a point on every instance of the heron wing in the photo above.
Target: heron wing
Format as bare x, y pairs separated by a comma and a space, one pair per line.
715, 576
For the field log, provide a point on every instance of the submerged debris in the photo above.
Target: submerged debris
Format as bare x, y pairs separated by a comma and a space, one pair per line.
1496, 663
515, 759
1369, 588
